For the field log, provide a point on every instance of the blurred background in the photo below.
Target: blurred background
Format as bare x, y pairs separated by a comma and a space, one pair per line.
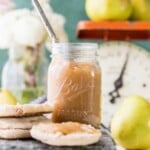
73, 10
21, 29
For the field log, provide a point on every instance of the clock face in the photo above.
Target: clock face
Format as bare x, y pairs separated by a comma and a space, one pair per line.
136, 77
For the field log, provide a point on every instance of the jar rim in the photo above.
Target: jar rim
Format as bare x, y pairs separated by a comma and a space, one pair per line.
75, 48
74, 43
85, 45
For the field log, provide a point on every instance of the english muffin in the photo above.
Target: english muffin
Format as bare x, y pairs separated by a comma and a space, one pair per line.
18, 128
24, 110
14, 133
65, 134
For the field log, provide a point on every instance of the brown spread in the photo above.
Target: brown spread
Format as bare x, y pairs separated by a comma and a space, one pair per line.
68, 128
75, 88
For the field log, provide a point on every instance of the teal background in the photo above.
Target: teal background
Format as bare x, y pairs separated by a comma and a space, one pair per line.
74, 12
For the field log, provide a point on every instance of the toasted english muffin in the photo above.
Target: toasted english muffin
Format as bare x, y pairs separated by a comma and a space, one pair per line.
20, 123
24, 110
16, 128
65, 134
14, 133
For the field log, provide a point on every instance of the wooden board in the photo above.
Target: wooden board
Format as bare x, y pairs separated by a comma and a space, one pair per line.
114, 30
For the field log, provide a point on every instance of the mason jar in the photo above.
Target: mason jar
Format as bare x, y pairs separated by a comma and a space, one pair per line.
25, 72
74, 83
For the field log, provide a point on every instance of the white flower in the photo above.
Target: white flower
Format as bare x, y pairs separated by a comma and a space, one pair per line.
7, 22
46, 7
24, 27
56, 20
28, 30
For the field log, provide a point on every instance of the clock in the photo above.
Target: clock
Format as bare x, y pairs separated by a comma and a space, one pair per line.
135, 77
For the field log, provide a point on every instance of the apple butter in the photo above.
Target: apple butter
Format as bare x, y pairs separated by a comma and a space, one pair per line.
74, 84
67, 128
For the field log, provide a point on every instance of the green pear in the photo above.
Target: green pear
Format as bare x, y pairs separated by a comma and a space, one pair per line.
141, 9
98, 10
6, 97
130, 126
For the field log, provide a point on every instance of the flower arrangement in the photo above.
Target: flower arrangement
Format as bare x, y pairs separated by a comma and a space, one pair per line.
24, 35
24, 27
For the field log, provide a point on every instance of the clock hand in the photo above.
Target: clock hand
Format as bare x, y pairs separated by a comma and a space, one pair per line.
118, 82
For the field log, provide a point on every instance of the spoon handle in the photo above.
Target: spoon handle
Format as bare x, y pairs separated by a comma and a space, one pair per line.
45, 21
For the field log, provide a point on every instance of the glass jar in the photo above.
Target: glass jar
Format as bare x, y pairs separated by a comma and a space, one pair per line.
74, 83
25, 72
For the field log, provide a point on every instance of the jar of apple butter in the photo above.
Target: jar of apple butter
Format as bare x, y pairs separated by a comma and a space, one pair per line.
74, 83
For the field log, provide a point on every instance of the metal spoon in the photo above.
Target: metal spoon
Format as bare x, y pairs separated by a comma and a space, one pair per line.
45, 21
